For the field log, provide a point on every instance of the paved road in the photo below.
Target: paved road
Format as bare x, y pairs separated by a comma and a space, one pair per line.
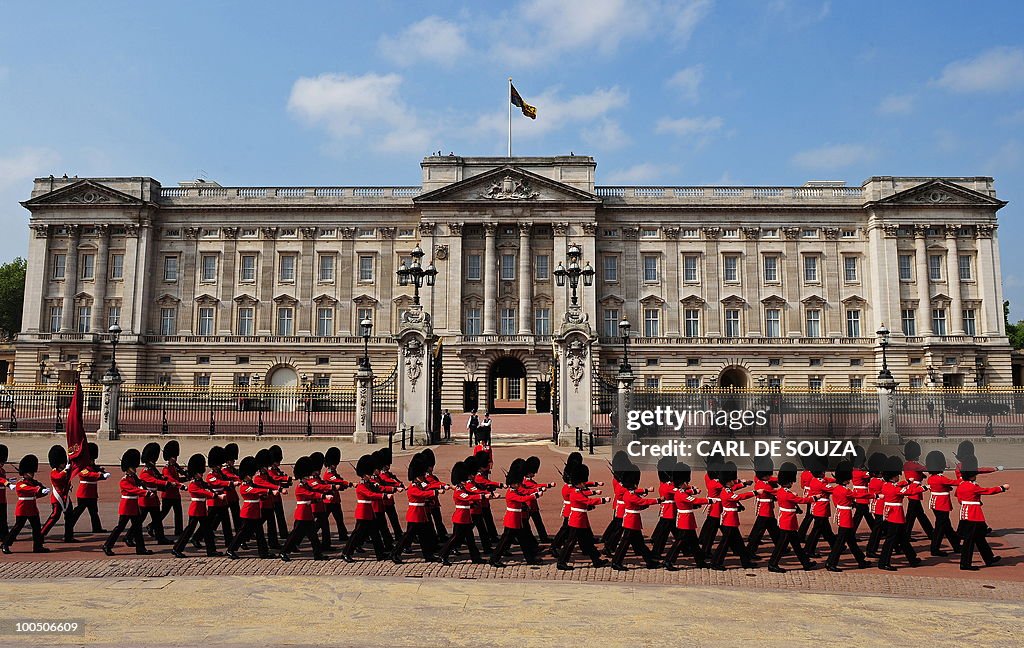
332, 611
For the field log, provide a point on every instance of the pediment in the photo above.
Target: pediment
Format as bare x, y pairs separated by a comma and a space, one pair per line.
285, 298
83, 297
854, 300
84, 193
941, 298
611, 300
692, 301
365, 300
507, 184
734, 301
940, 193
245, 298
652, 300
773, 301
323, 299
206, 298
402, 301
167, 299
813, 301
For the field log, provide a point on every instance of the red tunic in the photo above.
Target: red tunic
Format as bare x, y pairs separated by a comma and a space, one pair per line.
914, 472
981, 470
843, 498
517, 507
714, 489
893, 494
305, 495
620, 505
765, 499
859, 484
176, 477
88, 477
465, 500
788, 501
969, 494
279, 477
686, 503
228, 473
941, 488
366, 495
875, 495
483, 483
154, 482
634, 504
3, 485
730, 506
666, 491
263, 480
253, 497
216, 482
131, 491
200, 495
392, 483
580, 505
28, 492
323, 489
420, 497
60, 486
819, 490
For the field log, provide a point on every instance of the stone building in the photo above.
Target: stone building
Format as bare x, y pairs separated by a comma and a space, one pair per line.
731, 286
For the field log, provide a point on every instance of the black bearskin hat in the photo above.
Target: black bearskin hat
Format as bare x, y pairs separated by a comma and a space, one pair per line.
386, 456
681, 473
28, 464
4, 453
787, 473
276, 454
333, 456
964, 450
969, 467
715, 463
459, 472
247, 467
263, 459
94, 451
416, 468
844, 471
582, 473
196, 465
859, 461
876, 463
171, 450
665, 466
912, 450
630, 478
935, 461
130, 459
316, 462
231, 452
429, 459
763, 467
365, 466
893, 467
482, 459
57, 456
215, 457
574, 457
150, 452
301, 468
728, 472
532, 465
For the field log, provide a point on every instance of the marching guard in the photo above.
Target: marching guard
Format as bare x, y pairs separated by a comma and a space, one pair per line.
969, 493
893, 492
176, 475
843, 497
128, 512
581, 502
687, 502
417, 521
667, 520
632, 525
331, 477
60, 487
87, 494
200, 523
730, 524
518, 499
252, 498
939, 501
789, 508
914, 473
367, 492
26, 511
764, 498
304, 525
466, 496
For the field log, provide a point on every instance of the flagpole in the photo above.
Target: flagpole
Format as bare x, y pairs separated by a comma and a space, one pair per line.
510, 117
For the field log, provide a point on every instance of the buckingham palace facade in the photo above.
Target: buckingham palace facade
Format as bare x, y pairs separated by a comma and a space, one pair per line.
728, 286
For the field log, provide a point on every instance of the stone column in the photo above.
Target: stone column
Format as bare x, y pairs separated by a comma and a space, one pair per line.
622, 433
525, 280
574, 342
67, 321
490, 264
37, 277
109, 407
99, 324
955, 317
924, 304
887, 411
364, 406
989, 317
415, 339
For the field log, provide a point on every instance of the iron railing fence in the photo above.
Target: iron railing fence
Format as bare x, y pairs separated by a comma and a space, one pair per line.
44, 407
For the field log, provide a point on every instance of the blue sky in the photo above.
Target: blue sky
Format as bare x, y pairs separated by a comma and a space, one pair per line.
700, 92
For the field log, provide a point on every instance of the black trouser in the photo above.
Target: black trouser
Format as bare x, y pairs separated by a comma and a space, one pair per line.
37, 534
274, 540
659, 537
611, 534
392, 515
481, 528
708, 531
632, 538
382, 528
322, 522
875, 539
861, 511
523, 538
762, 523
559, 538
788, 539
915, 512
538, 524
172, 504
249, 527
303, 529
424, 534
236, 514
282, 521
845, 537
221, 518
366, 529
896, 536
805, 524
84, 504
584, 537
822, 529
156, 524
461, 533
731, 541
55, 514
334, 510
973, 534
492, 531
134, 533
448, 431
201, 526
3, 520
943, 529
686, 539
437, 516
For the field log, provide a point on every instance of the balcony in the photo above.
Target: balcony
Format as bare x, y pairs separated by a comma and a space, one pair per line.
200, 195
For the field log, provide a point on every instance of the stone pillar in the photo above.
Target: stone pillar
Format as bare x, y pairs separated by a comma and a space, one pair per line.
955, 317
364, 406
525, 280
490, 263
99, 323
109, 407
924, 298
575, 399
415, 339
622, 433
887, 411
67, 321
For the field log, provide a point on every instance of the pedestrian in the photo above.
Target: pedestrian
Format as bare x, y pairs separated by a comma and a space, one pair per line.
199, 521
632, 525
484, 431
446, 424
128, 512
730, 524
176, 475
896, 535
968, 493
26, 511
304, 525
60, 487
466, 495
252, 497
940, 503
87, 494
686, 500
843, 498
789, 509
581, 502
473, 424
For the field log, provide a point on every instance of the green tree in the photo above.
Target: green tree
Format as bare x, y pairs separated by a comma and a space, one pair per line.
1013, 331
12, 296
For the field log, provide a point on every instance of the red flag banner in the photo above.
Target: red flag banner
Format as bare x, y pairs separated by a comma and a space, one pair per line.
76, 430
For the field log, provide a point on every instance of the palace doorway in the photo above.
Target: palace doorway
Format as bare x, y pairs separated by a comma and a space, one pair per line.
507, 386
734, 378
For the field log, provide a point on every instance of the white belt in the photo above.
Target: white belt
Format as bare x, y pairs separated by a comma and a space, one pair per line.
714, 499
26, 499
619, 502
251, 501
359, 501
566, 503
512, 510
892, 504
579, 510
199, 500
634, 512
963, 503
786, 510
417, 504
844, 508
460, 506
129, 497
731, 510
860, 487
303, 502
947, 493
87, 483
760, 499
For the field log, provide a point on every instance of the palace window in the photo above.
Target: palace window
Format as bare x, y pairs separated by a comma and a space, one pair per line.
88, 266
732, 322
856, 383
285, 320
771, 268
611, 322
209, 271
850, 269
117, 266
813, 321
965, 267
652, 382
652, 326
508, 267
690, 268
811, 268
909, 317
542, 321
508, 321
206, 317
935, 267
849, 233
168, 321
691, 322
906, 264
84, 315
325, 322
201, 380
809, 233
366, 268
325, 272
247, 271
731, 270
969, 328
648, 233
246, 320
170, 269
113, 316
650, 268
939, 321
58, 266
853, 323
611, 269
473, 267
473, 321
541, 268
814, 383
56, 314
693, 382
772, 322
287, 270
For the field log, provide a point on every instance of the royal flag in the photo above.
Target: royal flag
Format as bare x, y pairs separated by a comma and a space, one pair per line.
75, 428
517, 101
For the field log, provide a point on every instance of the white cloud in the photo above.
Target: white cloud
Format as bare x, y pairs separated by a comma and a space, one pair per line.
554, 112
606, 134
833, 156
432, 39
687, 81
896, 105
686, 16
686, 126
994, 70
354, 106
639, 174
19, 169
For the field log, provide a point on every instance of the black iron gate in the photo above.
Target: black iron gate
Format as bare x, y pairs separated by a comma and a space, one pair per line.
385, 403
435, 395
555, 396
605, 400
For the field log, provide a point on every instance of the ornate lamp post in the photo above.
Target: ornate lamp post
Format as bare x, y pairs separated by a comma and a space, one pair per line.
572, 271
624, 367
415, 274
883, 334
43, 375
307, 386
115, 334
259, 404
365, 327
